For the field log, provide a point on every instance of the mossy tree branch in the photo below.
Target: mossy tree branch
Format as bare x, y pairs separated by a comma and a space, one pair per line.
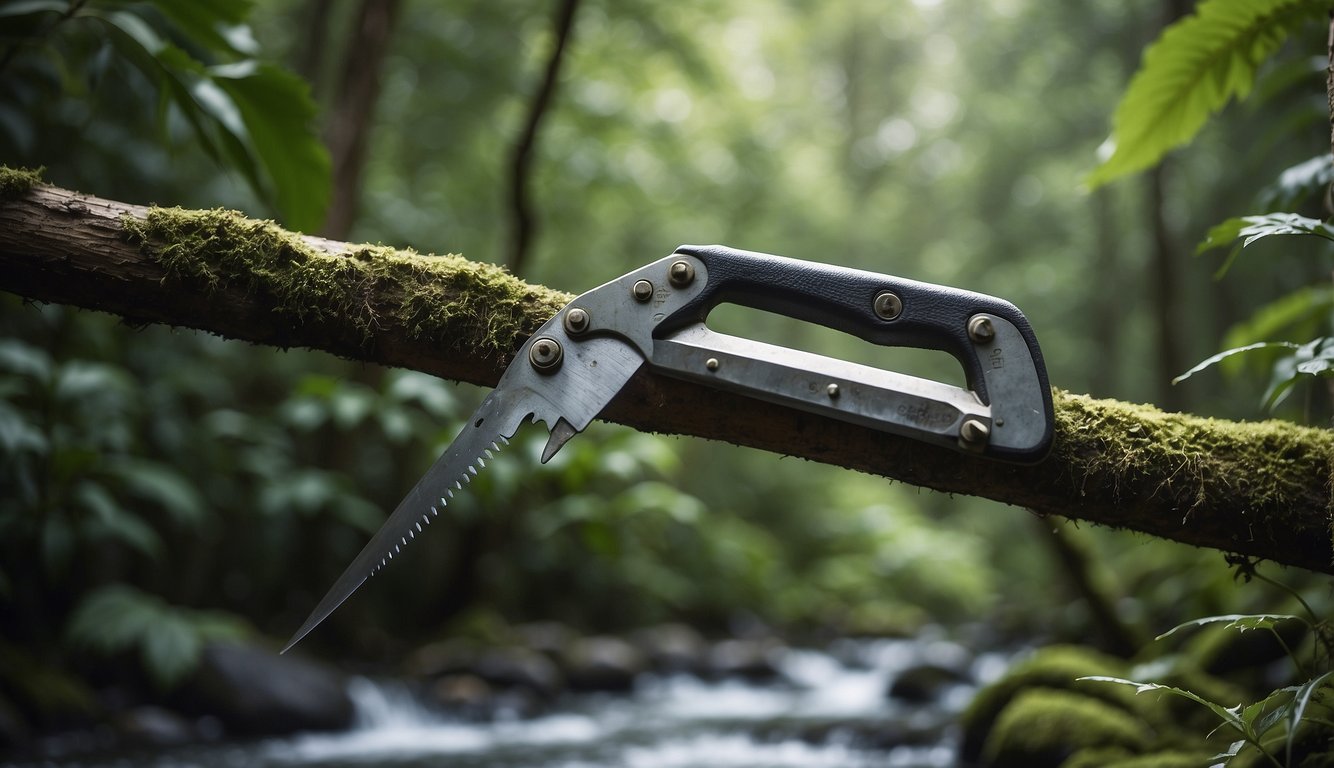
1258, 489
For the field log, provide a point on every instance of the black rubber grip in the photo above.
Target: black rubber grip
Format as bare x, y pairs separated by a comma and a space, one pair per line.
932, 317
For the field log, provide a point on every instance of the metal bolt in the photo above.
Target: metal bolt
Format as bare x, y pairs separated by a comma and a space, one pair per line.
981, 330
711, 363
576, 321
545, 355
643, 290
681, 273
888, 305
974, 434
832, 390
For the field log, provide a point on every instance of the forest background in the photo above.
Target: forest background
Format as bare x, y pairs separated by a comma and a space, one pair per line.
169, 487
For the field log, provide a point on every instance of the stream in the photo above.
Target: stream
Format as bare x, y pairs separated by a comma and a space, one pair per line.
830, 709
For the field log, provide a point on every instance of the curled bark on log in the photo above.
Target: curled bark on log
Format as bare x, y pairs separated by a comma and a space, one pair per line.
1261, 489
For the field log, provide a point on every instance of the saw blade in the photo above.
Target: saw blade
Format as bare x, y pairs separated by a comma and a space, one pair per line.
593, 372
490, 428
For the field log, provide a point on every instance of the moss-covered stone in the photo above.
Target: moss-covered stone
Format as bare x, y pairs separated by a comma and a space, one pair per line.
1056, 667
15, 182
1114, 757
1043, 728
441, 298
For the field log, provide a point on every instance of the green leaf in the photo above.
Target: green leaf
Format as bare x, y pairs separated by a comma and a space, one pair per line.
1299, 702
1221, 234
171, 650
1310, 359
162, 485
18, 436
1239, 621
1228, 716
259, 118
1224, 355
279, 114
1299, 182
119, 618
24, 360
216, 24
112, 619
1232, 751
1195, 68
111, 520
1263, 715
1254, 228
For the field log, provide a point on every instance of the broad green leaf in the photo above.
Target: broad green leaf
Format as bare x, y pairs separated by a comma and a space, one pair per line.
110, 519
171, 650
162, 485
279, 114
1221, 234
255, 117
1238, 621
1310, 359
1299, 182
17, 357
1194, 69
119, 618
1269, 711
113, 619
1224, 355
18, 435
1254, 228
216, 24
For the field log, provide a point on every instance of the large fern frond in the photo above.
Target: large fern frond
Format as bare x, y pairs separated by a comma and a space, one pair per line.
1198, 64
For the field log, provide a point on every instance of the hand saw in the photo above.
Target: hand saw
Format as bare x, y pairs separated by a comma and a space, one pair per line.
578, 361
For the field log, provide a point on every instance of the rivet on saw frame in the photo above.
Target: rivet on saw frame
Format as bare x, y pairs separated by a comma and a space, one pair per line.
545, 355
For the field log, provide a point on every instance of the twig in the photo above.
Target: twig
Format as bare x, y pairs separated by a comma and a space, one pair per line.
521, 161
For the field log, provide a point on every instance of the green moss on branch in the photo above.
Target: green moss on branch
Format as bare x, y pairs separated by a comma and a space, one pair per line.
1138, 451
442, 299
15, 182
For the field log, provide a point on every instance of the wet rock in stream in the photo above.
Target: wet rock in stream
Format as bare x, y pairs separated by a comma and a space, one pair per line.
253, 691
603, 663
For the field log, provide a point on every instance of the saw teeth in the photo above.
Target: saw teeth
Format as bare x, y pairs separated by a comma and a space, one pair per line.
434, 511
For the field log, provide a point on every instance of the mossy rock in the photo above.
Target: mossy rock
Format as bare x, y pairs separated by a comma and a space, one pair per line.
1056, 667
1044, 728
1113, 757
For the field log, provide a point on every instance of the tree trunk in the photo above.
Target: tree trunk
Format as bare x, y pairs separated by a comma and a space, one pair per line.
354, 109
1257, 489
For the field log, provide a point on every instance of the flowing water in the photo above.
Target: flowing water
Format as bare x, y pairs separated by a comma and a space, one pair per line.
830, 710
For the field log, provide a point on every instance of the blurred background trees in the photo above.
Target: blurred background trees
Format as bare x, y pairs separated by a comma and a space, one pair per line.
157, 478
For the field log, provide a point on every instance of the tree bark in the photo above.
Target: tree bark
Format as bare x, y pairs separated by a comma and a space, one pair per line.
1261, 490
354, 109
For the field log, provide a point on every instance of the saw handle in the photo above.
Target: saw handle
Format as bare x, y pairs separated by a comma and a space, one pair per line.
931, 316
